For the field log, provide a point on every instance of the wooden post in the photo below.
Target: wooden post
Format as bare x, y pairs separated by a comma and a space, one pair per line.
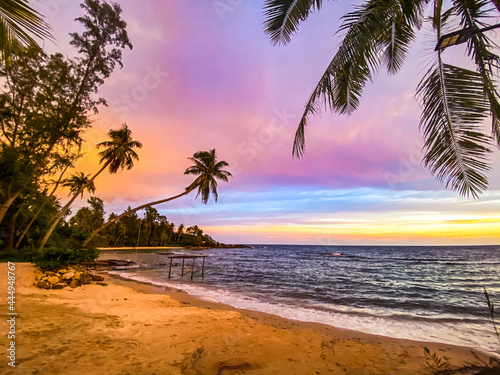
182, 273
192, 270
203, 267
170, 268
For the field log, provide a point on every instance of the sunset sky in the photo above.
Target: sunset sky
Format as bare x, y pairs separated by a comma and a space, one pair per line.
206, 76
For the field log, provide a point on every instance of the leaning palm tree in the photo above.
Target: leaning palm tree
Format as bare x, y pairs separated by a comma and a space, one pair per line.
20, 25
206, 167
455, 100
77, 184
42, 206
118, 154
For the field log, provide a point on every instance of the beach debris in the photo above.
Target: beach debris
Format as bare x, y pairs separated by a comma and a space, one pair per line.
243, 366
112, 263
72, 277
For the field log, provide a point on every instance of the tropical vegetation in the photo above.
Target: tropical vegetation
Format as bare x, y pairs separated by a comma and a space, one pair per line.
143, 228
208, 170
456, 101
45, 106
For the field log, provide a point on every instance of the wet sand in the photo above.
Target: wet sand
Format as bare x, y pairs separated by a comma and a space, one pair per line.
133, 328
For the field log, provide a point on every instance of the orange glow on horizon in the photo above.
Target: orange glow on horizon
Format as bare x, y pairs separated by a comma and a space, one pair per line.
482, 231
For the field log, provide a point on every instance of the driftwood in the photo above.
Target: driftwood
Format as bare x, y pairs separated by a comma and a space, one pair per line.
237, 367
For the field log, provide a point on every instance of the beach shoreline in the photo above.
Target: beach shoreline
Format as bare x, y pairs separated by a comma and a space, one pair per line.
133, 327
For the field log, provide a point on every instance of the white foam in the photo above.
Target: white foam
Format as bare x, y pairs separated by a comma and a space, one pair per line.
463, 334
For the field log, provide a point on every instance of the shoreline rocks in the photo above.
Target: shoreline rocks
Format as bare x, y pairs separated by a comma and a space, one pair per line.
72, 277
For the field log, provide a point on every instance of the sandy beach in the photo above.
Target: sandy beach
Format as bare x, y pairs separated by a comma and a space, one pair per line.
131, 328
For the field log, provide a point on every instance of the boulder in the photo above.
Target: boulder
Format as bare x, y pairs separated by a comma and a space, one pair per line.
62, 271
74, 283
43, 284
97, 277
77, 276
58, 286
85, 279
49, 273
68, 275
53, 280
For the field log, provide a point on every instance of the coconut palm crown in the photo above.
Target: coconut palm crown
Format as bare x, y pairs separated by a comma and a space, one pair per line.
119, 151
455, 101
209, 170
78, 183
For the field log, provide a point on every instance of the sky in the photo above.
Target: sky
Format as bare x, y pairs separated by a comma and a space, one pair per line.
205, 75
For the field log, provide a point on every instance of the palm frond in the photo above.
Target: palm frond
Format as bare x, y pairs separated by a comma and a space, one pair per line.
454, 107
379, 32
283, 17
479, 48
19, 25
208, 169
119, 152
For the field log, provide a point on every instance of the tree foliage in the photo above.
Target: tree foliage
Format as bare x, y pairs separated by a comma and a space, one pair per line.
149, 228
45, 104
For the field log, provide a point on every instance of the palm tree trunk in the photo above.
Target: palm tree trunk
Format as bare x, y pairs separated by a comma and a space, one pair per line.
8, 202
56, 221
132, 210
65, 209
18, 243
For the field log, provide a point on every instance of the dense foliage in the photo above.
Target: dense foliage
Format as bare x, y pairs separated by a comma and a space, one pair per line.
45, 104
149, 228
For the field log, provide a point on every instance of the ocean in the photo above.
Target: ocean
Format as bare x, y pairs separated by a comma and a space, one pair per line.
431, 293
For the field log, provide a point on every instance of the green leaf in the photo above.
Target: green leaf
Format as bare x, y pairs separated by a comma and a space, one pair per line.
377, 33
454, 108
284, 16
19, 25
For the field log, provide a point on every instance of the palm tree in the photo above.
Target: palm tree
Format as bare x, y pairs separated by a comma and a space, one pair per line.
455, 101
179, 232
206, 167
77, 184
19, 25
46, 200
118, 154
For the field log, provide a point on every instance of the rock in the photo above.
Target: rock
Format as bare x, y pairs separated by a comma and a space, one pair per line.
62, 271
97, 277
74, 283
77, 276
53, 280
68, 275
85, 279
49, 273
58, 286
103, 284
43, 284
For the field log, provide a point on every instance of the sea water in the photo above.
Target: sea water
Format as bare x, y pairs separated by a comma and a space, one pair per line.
411, 292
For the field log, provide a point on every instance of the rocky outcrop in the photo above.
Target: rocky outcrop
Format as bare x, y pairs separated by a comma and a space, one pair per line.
69, 276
